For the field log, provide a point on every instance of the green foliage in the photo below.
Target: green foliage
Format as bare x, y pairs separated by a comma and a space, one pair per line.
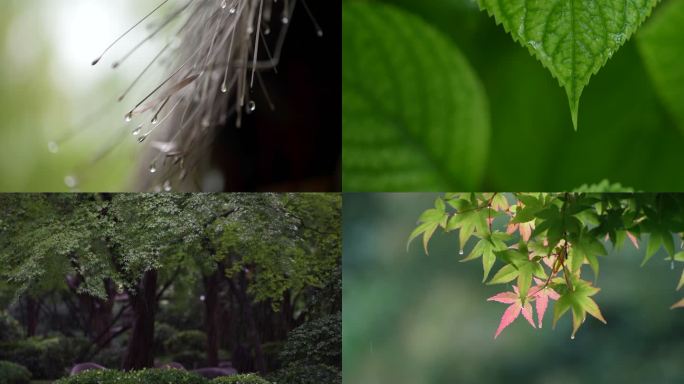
307, 374
559, 233
315, 342
661, 43
190, 359
10, 329
192, 340
11, 373
272, 351
415, 116
240, 379
558, 34
163, 333
110, 357
45, 358
147, 376
532, 145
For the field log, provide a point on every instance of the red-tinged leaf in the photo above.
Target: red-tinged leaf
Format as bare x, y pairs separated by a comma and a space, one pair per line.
505, 297
679, 304
508, 317
633, 239
542, 295
527, 313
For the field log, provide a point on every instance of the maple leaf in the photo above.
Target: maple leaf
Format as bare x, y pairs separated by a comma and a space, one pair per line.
579, 300
525, 229
514, 309
542, 293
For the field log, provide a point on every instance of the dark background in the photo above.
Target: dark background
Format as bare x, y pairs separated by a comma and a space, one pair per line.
297, 146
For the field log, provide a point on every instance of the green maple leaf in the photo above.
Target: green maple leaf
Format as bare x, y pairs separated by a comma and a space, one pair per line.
573, 39
580, 302
486, 248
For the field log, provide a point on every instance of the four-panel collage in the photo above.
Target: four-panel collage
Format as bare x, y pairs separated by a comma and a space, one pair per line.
257, 191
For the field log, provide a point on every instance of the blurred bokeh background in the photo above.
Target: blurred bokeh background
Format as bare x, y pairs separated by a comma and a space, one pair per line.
412, 318
50, 92
49, 89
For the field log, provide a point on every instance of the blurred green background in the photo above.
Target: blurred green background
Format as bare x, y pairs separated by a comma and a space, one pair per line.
626, 134
411, 318
48, 89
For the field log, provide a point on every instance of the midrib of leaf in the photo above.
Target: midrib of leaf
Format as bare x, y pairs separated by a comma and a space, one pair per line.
612, 39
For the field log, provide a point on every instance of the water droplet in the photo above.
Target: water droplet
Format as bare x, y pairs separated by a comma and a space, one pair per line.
224, 4
460, 252
70, 181
672, 264
206, 122
285, 20
153, 168
534, 44
267, 31
232, 10
137, 131
167, 186
319, 33
129, 117
155, 120
572, 337
142, 138
53, 147
251, 106
224, 88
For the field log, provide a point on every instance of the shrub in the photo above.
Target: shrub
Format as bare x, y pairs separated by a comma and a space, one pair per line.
186, 341
272, 352
162, 333
316, 342
146, 376
10, 329
110, 357
46, 358
241, 379
190, 359
11, 373
307, 374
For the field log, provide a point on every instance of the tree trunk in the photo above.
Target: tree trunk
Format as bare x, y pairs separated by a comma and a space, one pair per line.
212, 312
240, 292
140, 353
32, 314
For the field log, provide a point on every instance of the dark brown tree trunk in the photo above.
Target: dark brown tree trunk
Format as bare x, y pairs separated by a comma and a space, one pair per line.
212, 313
140, 344
240, 292
32, 314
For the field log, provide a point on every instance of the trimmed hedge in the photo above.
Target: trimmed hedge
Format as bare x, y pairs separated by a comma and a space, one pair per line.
241, 379
10, 329
316, 342
186, 341
46, 358
307, 374
11, 373
146, 376
162, 333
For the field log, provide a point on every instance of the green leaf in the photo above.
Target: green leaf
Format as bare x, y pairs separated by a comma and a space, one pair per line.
579, 300
414, 114
572, 39
681, 281
661, 44
506, 274
486, 248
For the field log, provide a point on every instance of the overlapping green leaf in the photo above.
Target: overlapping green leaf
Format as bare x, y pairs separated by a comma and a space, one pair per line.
415, 116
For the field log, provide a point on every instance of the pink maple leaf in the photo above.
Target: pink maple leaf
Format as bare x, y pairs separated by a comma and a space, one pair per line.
542, 294
514, 309
525, 229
